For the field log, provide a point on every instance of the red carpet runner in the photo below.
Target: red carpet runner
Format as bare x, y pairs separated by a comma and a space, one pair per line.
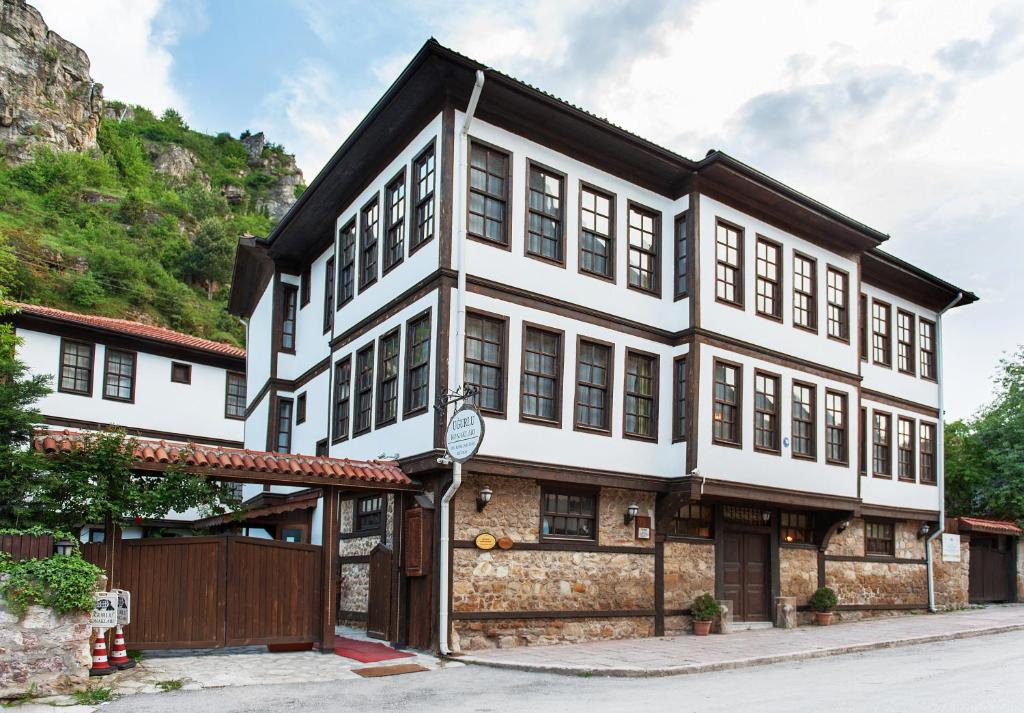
366, 651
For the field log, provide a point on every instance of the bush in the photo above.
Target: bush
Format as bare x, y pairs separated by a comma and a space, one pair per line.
705, 608
64, 584
824, 599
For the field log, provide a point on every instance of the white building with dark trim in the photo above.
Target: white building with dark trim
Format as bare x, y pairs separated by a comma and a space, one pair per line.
742, 363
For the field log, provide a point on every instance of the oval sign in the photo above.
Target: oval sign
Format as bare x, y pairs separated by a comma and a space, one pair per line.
465, 433
485, 541
505, 543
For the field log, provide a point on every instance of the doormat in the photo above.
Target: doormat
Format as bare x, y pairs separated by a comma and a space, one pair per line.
366, 651
375, 671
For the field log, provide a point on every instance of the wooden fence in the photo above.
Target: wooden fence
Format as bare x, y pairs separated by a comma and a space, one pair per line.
27, 547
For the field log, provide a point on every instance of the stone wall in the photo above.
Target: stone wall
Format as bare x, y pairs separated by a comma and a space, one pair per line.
877, 583
507, 633
952, 579
354, 577
798, 573
43, 650
689, 572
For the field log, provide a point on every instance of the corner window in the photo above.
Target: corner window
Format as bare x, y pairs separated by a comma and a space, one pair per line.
387, 378
836, 433
682, 256
181, 373
693, 520
837, 288
905, 442
879, 538
805, 292
329, 295
485, 362
905, 357
679, 402
304, 288
342, 396
283, 428
881, 444
644, 236
394, 246
288, 299
726, 409
542, 375
545, 221
927, 454
364, 389
593, 382
597, 232
347, 274
119, 376
797, 528
805, 431
881, 335
417, 365
76, 367
729, 264
369, 225
568, 514
766, 412
369, 513
768, 291
234, 399
641, 397
488, 193
928, 350
423, 198
300, 408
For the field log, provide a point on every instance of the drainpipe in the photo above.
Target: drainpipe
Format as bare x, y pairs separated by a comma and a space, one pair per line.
940, 452
462, 170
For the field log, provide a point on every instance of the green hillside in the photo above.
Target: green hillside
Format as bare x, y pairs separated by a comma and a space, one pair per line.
108, 233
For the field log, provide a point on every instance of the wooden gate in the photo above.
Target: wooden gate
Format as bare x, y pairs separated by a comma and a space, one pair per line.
209, 592
991, 569
378, 610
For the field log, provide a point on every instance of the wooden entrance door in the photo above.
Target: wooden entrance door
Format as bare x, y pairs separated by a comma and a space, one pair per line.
378, 610
746, 574
990, 569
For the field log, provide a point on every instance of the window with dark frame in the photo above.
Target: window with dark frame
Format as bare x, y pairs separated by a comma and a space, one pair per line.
387, 378
347, 273
729, 264
805, 432
541, 378
485, 361
906, 360
797, 528
304, 287
593, 379
234, 398
879, 538
329, 295
417, 365
369, 513
300, 408
837, 289
862, 327
488, 193
928, 350
881, 335
805, 292
693, 520
423, 197
289, 297
644, 229
76, 367
927, 453
394, 215
679, 415
568, 514
768, 279
283, 427
364, 390
881, 444
682, 258
342, 398
597, 232
545, 221
766, 412
836, 432
862, 442
726, 410
640, 405
369, 226
181, 373
322, 449
906, 443
119, 375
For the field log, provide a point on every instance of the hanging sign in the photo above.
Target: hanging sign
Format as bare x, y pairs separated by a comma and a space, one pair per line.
464, 435
950, 547
124, 607
104, 610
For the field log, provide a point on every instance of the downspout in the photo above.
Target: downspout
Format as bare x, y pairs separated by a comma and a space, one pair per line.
940, 452
462, 169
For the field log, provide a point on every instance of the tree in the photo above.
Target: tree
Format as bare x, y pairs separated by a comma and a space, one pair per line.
985, 455
210, 259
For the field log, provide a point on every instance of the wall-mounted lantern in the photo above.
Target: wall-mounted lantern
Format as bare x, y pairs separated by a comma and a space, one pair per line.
483, 497
925, 529
65, 547
631, 512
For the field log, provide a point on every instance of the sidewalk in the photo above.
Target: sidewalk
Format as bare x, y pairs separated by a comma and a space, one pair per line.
675, 655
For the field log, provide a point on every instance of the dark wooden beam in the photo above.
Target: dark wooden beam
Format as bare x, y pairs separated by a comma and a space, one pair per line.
328, 569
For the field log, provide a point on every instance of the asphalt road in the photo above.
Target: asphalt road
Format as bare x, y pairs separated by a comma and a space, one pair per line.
970, 675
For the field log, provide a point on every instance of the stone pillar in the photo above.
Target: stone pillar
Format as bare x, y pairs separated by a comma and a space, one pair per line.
785, 612
723, 622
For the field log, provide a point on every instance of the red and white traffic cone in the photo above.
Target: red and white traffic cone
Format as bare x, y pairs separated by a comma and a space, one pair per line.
100, 667
119, 653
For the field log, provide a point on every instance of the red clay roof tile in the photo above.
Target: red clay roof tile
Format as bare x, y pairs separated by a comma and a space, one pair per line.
985, 525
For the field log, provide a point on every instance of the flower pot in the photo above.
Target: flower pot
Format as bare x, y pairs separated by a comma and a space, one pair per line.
701, 628
823, 618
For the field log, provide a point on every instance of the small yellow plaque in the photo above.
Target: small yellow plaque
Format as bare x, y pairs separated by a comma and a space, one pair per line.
485, 541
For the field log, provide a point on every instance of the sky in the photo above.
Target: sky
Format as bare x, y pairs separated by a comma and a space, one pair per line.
906, 115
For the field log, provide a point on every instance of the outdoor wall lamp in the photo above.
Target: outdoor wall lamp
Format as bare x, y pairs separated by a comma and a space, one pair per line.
483, 497
65, 547
631, 512
843, 525
925, 529
766, 516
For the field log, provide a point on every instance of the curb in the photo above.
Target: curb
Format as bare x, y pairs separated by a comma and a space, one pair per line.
742, 663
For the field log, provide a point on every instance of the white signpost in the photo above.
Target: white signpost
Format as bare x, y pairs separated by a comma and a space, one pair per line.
950, 547
124, 607
104, 610
464, 435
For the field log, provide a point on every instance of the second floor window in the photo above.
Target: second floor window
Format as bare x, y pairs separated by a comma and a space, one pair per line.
927, 455
905, 447
928, 350
347, 274
804, 421
119, 376
881, 444
682, 258
881, 335
805, 293
342, 398
423, 198
417, 364
394, 245
541, 374
364, 390
544, 214
641, 395
726, 414
835, 428
769, 279
289, 297
862, 327
905, 357
283, 430
329, 295
369, 225
644, 232
766, 411
597, 236
387, 378
836, 296
485, 361
488, 193
234, 400
729, 264
593, 369
76, 367
679, 404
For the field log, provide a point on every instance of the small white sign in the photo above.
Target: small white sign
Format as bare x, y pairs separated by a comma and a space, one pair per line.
643, 533
464, 435
950, 547
104, 610
124, 607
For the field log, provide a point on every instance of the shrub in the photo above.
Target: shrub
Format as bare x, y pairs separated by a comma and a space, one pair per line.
64, 584
824, 599
705, 608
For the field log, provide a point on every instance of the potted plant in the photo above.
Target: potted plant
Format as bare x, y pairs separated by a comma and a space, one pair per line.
704, 610
823, 602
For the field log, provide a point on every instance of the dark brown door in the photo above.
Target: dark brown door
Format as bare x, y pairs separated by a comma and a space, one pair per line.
745, 574
378, 614
990, 569
418, 544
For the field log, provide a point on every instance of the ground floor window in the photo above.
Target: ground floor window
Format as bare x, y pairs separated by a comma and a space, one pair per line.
797, 528
879, 538
369, 513
568, 514
693, 520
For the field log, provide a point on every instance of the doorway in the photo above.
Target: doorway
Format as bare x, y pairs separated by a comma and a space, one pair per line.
992, 569
746, 574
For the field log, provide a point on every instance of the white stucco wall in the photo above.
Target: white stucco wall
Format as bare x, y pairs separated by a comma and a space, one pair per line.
892, 491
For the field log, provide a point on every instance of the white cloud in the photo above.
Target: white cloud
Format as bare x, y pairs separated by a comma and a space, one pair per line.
130, 49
